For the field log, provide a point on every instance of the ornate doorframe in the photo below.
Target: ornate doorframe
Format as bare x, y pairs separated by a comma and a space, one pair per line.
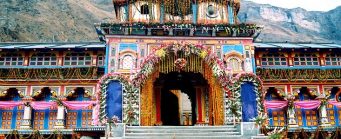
211, 69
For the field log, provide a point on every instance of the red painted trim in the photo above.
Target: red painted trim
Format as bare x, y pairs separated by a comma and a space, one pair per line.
28, 92
320, 89
62, 90
60, 58
198, 90
158, 104
289, 89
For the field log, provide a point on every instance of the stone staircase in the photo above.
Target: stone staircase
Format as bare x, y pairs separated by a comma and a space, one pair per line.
182, 132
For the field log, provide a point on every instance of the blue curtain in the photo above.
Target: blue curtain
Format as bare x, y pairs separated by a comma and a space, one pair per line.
114, 99
249, 103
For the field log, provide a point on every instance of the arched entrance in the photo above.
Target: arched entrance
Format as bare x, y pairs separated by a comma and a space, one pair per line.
189, 69
181, 96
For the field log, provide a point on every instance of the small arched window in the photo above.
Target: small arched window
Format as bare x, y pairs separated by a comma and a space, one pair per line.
272, 94
235, 64
305, 94
43, 59
128, 62
144, 9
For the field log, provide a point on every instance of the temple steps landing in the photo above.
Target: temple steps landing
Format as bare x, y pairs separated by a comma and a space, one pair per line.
182, 132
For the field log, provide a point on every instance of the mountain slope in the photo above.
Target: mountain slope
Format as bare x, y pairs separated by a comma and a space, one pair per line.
72, 21
294, 25
48, 20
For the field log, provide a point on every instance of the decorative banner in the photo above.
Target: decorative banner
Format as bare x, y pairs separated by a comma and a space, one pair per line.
10, 104
114, 100
43, 105
312, 104
249, 102
100, 110
335, 103
77, 105
235, 103
275, 104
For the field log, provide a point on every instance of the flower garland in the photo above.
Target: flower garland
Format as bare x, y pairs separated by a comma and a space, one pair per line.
149, 65
180, 63
235, 104
130, 94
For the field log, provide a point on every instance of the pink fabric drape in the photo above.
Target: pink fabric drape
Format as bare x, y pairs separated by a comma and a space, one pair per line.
77, 105
312, 104
43, 105
10, 104
335, 103
275, 104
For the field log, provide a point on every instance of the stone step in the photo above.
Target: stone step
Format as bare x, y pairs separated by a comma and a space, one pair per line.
180, 127
137, 130
185, 137
184, 134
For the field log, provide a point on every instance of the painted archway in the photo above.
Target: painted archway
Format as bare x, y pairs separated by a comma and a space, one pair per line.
163, 60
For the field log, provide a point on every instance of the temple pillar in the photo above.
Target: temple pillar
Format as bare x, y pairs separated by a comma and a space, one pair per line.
158, 105
26, 122
60, 118
291, 115
323, 115
199, 105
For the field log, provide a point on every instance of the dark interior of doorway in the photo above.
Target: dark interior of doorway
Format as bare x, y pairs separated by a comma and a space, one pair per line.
184, 81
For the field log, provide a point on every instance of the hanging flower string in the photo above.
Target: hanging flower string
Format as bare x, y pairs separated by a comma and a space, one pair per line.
150, 63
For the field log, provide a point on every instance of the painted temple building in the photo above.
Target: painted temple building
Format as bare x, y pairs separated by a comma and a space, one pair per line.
164, 68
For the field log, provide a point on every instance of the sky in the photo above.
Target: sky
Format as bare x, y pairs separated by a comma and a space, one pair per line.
310, 5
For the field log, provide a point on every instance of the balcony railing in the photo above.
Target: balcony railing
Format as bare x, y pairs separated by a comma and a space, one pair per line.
173, 29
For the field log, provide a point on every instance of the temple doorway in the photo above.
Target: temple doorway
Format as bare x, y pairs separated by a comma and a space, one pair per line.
179, 98
184, 80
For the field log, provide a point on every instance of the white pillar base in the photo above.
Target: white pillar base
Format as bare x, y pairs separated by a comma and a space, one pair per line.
26, 122
60, 118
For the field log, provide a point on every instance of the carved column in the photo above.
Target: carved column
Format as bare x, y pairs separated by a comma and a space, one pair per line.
291, 113
60, 118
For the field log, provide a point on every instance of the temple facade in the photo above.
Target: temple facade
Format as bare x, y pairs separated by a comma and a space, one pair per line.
161, 64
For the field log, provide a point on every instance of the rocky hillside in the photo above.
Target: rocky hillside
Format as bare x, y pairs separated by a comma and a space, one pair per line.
293, 25
51, 20
72, 20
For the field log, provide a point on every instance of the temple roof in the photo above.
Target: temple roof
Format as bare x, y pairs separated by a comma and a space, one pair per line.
296, 45
23, 45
